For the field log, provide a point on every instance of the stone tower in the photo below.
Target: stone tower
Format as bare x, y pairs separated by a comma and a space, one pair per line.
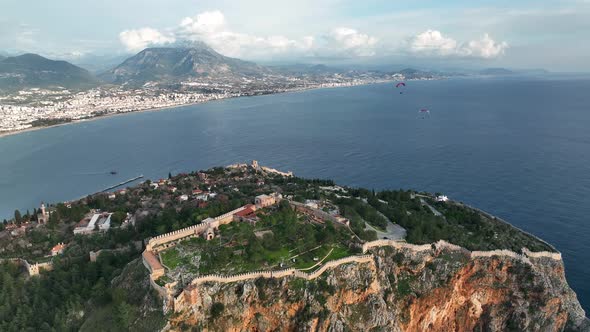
43, 217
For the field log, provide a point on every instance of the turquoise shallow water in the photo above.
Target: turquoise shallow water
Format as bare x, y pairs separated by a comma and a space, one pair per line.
518, 148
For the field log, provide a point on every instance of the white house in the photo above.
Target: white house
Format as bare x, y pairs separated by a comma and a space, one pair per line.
88, 225
442, 198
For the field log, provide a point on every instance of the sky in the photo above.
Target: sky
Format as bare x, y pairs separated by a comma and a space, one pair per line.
438, 33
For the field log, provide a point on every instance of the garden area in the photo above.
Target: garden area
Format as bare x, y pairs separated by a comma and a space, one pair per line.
280, 239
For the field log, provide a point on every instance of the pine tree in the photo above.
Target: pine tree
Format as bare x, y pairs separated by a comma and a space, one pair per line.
17, 217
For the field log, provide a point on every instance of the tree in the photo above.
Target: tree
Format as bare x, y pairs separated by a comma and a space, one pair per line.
123, 314
17, 217
217, 309
169, 175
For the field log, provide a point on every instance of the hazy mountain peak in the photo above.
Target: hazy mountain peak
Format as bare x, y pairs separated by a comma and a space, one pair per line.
32, 70
182, 62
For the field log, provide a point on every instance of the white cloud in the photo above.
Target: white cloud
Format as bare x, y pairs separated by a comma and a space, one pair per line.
138, 39
212, 28
350, 41
485, 48
434, 43
204, 23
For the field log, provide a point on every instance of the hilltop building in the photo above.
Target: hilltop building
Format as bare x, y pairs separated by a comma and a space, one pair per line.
92, 222
247, 215
263, 201
58, 249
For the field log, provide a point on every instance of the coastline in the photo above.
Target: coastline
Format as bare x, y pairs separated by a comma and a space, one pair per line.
163, 108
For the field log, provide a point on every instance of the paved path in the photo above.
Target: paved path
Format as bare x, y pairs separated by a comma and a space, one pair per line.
434, 211
392, 231
318, 263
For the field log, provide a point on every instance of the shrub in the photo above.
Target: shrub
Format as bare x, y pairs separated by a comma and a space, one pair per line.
217, 309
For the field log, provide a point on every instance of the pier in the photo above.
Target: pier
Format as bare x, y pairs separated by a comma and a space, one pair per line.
122, 183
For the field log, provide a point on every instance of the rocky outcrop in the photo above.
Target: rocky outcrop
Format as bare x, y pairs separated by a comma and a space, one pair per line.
442, 288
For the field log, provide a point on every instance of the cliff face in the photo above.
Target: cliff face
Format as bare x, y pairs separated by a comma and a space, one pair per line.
400, 290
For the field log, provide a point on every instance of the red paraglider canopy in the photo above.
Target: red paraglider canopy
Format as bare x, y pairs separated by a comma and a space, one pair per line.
400, 84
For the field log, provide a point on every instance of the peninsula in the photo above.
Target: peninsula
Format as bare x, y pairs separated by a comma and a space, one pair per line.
248, 247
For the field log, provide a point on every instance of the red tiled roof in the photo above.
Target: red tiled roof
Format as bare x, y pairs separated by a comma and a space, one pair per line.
152, 260
58, 247
246, 212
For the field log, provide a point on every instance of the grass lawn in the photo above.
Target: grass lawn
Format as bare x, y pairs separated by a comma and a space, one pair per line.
170, 258
307, 260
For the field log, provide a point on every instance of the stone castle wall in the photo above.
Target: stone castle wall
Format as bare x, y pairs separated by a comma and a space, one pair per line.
541, 254
396, 244
163, 239
180, 301
32, 269
473, 254
281, 273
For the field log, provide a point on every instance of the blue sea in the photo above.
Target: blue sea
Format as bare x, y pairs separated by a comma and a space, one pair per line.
516, 147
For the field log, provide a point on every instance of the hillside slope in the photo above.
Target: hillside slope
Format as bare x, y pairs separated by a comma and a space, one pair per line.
35, 71
170, 64
401, 290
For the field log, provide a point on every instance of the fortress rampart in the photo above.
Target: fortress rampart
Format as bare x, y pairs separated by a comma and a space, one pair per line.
165, 240
188, 295
32, 269
282, 273
526, 254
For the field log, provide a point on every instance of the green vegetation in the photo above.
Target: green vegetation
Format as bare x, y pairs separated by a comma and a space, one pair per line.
403, 287
279, 240
216, 309
170, 258
357, 209
54, 299
461, 226
49, 122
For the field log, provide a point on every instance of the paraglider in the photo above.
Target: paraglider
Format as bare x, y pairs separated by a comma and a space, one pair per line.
424, 113
400, 84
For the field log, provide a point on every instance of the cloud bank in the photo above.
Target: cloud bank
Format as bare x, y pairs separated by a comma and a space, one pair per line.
212, 28
138, 39
434, 43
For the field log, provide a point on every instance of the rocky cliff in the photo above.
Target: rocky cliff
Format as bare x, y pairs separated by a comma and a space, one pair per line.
439, 289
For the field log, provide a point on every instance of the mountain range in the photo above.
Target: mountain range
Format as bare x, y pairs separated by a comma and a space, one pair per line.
166, 64
32, 70
169, 65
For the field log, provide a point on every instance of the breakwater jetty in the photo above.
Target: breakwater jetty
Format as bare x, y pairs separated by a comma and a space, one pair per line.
122, 183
